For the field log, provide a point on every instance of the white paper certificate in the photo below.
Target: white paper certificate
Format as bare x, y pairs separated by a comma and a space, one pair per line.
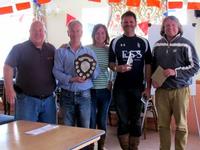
158, 76
42, 129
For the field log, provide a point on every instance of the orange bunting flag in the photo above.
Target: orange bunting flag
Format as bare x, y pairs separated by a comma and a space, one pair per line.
134, 3
6, 10
22, 6
43, 1
114, 1
155, 3
174, 5
194, 5
95, 0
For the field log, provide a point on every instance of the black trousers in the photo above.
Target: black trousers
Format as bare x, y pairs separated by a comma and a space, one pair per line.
129, 107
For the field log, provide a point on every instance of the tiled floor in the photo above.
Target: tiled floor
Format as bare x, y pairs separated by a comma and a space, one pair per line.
150, 143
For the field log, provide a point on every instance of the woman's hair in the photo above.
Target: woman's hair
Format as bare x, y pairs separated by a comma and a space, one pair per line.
180, 28
95, 29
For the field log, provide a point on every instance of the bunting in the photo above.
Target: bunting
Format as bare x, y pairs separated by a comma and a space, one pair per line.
22, 6
171, 4
43, 1
194, 5
69, 18
133, 3
155, 3
6, 10
114, 1
174, 5
95, 0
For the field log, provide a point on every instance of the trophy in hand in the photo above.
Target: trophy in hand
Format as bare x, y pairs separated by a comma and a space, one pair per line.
130, 60
85, 66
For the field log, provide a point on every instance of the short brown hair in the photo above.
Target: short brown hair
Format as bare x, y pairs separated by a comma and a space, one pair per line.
128, 13
96, 27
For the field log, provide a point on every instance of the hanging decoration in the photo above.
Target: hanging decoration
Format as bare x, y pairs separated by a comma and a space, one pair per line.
145, 14
43, 1
194, 5
37, 9
144, 26
114, 1
175, 4
69, 18
6, 10
22, 6
95, 0
132, 3
153, 3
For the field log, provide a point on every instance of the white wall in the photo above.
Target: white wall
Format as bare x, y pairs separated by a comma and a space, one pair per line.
193, 19
56, 25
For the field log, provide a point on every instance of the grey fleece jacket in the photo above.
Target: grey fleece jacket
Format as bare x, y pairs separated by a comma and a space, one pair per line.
178, 54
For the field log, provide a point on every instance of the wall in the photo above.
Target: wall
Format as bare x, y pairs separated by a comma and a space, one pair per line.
56, 25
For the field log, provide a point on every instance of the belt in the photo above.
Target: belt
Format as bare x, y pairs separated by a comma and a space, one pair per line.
39, 96
77, 93
20, 91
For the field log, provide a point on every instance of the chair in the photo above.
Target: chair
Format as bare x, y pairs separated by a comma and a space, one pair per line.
3, 96
149, 106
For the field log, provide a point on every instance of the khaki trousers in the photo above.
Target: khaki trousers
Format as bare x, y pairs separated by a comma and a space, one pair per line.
172, 102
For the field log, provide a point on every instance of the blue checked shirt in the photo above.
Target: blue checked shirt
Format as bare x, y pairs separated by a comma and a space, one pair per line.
64, 68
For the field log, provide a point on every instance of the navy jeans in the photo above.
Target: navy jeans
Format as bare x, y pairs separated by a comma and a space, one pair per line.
76, 108
129, 107
34, 109
101, 99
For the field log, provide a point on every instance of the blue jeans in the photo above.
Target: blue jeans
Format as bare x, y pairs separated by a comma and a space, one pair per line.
101, 99
76, 108
129, 107
34, 109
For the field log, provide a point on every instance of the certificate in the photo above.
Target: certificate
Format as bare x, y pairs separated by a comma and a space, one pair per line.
158, 76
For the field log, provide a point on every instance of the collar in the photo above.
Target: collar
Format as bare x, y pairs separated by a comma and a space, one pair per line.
176, 37
32, 44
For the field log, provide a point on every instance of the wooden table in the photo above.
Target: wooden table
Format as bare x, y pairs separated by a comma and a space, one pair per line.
13, 137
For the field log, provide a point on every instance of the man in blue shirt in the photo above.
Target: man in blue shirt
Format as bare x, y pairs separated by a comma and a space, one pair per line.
75, 90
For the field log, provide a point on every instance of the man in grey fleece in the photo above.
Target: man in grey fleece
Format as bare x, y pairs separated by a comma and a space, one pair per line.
178, 57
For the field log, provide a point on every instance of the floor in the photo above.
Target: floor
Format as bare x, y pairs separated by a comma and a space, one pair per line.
150, 143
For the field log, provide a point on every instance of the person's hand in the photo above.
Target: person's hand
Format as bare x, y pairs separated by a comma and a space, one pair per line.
146, 93
155, 84
123, 68
109, 86
11, 96
77, 79
169, 72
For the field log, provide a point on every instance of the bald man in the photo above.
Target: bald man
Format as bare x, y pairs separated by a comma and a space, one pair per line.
33, 93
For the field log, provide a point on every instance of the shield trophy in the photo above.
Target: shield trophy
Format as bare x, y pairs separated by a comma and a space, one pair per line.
85, 66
